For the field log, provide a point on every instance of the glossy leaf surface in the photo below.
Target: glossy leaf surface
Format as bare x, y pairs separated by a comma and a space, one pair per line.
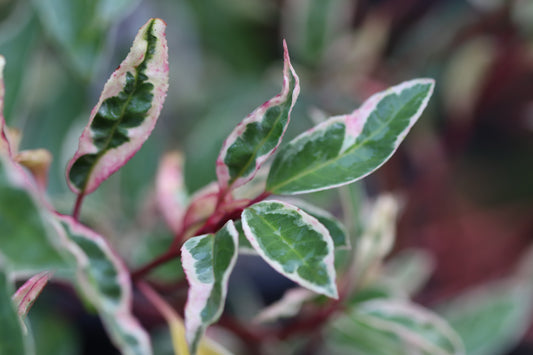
294, 243
126, 113
105, 282
256, 138
11, 336
207, 261
336, 230
346, 148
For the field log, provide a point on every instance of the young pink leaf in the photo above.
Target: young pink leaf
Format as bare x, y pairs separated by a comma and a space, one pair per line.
207, 261
170, 190
29, 291
202, 205
256, 138
126, 113
104, 280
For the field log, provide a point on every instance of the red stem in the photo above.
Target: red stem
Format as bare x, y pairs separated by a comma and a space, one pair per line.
163, 258
77, 206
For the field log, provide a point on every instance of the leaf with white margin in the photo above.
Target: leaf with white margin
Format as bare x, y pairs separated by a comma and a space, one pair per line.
170, 190
256, 138
26, 238
346, 148
126, 112
378, 235
104, 280
288, 306
29, 291
177, 328
12, 340
333, 225
294, 243
417, 328
207, 261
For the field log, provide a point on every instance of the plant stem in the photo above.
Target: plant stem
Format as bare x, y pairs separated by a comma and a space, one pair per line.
163, 258
77, 206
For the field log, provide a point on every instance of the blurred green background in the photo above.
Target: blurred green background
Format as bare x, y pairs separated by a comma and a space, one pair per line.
465, 171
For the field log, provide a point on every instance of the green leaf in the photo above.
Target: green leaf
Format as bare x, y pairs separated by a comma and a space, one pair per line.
126, 113
11, 337
346, 148
384, 327
294, 243
335, 228
105, 282
491, 318
207, 261
256, 138
25, 238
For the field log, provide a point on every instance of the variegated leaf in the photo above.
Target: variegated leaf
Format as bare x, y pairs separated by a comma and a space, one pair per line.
177, 328
26, 238
126, 113
105, 282
11, 336
170, 190
346, 148
333, 225
378, 235
244, 245
29, 291
294, 243
207, 261
256, 138
418, 330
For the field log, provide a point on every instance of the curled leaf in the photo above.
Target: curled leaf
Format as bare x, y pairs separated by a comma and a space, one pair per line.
256, 138
126, 113
29, 291
207, 261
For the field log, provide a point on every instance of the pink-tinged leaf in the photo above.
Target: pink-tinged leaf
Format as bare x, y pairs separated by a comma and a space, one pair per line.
207, 261
256, 138
29, 291
104, 281
202, 205
126, 113
170, 190
347, 148
177, 328
37, 161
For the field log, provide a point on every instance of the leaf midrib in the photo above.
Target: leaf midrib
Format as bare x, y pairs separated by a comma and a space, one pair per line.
262, 142
334, 160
